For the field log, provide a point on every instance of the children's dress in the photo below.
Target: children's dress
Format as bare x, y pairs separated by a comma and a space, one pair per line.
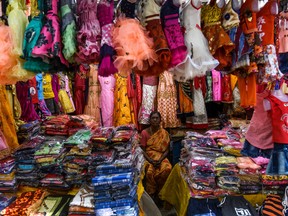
199, 59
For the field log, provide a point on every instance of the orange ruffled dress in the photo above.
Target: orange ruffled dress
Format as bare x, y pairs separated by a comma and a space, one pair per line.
219, 41
133, 46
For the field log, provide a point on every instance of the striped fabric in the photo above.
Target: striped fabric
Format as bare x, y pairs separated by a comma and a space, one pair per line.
272, 206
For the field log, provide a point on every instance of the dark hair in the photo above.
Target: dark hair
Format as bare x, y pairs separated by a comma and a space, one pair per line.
154, 112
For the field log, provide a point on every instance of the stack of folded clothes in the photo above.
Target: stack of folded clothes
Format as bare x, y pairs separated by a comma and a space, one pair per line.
49, 159
80, 138
115, 185
27, 170
28, 130
227, 173
101, 137
200, 165
115, 192
274, 184
7, 175
83, 202
75, 164
230, 146
63, 125
6, 200
250, 181
57, 125
54, 205
99, 158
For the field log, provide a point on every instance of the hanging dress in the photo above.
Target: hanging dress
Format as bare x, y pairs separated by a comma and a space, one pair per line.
32, 33
199, 59
149, 91
23, 94
93, 104
107, 52
169, 15
123, 108
167, 100
7, 122
11, 38
68, 30
151, 20
107, 99
133, 46
219, 41
265, 23
79, 89
49, 45
89, 33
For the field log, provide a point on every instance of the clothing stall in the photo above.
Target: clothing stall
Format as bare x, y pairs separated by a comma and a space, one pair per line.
80, 80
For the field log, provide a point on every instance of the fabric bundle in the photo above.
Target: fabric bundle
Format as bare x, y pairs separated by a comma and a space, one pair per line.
27, 170
82, 203
75, 165
8, 181
115, 178
28, 130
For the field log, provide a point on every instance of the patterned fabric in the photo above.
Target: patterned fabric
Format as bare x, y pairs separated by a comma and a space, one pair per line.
272, 205
156, 177
147, 105
49, 44
25, 203
123, 109
167, 100
220, 44
93, 104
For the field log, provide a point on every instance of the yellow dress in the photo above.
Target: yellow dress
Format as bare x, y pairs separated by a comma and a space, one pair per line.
18, 22
123, 109
7, 122
65, 101
47, 87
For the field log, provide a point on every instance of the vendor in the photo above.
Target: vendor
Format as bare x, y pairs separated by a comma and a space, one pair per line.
155, 144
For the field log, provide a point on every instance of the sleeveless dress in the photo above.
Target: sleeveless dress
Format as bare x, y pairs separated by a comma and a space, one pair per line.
167, 100
89, 33
31, 35
107, 99
199, 59
220, 44
169, 15
123, 108
93, 105
49, 46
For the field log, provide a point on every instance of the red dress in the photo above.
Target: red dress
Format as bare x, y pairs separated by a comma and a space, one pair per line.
279, 114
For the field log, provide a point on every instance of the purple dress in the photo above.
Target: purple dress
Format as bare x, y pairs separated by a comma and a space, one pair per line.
49, 46
23, 94
107, 99
89, 34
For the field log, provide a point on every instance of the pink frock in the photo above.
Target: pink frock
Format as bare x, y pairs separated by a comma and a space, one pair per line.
49, 44
93, 106
107, 99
